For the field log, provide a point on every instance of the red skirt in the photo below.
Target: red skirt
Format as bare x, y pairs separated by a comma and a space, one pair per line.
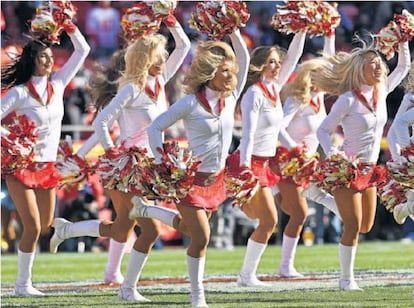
39, 175
368, 175
208, 191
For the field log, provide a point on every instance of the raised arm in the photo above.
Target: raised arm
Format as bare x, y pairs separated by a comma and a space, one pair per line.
402, 126
242, 58
182, 47
329, 45
290, 108
75, 62
292, 57
402, 68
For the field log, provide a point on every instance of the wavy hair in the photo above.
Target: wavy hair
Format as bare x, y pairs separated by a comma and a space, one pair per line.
23, 66
345, 71
140, 56
207, 59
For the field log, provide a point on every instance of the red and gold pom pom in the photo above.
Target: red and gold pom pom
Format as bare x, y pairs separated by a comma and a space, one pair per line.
241, 185
400, 29
218, 18
403, 170
18, 148
392, 193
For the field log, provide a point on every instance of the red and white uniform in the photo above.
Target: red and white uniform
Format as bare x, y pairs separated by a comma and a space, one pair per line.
363, 126
47, 116
209, 133
301, 120
133, 108
398, 135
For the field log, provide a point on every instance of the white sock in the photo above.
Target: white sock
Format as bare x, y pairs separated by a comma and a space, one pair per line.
254, 251
115, 255
136, 263
24, 268
83, 228
347, 260
195, 268
163, 214
319, 196
289, 245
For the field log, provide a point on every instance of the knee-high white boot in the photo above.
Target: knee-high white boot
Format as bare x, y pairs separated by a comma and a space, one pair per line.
143, 209
195, 268
23, 284
65, 229
247, 276
319, 196
128, 290
347, 260
287, 268
113, 266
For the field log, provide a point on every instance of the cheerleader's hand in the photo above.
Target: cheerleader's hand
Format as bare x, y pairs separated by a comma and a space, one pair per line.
69, 26
170, 21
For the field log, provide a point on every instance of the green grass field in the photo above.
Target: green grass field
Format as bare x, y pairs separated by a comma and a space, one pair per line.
384, 269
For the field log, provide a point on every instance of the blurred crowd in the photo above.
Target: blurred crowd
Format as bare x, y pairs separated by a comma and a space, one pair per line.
100, 22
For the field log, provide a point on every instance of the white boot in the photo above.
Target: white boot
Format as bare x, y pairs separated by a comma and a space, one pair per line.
347, 260
403, 210
142, 209
247, 276
65, 229
113, 267
23, 286
319, 196
128, 290
195, 268
286, 268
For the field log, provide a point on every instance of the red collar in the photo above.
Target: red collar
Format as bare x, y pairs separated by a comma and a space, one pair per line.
32, 91
364, 100
274, 97
316, 103
202, 98
153, 94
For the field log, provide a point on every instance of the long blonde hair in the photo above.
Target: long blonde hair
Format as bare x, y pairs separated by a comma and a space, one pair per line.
300, 88
140, 56
207, 59
345, 71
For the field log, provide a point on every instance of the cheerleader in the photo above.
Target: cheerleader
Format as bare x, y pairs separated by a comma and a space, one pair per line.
262, 116
213, 82
304, 110
139, 100
37, 92
360, 80
399, 137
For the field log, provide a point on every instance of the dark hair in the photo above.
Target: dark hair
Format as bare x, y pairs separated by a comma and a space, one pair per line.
22, 67
104, 82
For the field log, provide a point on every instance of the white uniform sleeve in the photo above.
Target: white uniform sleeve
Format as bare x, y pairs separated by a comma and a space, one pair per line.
329, 125
402, 125
250, 108
402, 68
75, 62
177, 111
290, 108
392, 142
292, 58
9, 103
88, 145
329, 45
105, 119
242, 58
182, 47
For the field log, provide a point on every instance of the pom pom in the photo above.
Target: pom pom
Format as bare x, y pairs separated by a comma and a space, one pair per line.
241, 185
72, 168
297, 164
51, 20
400, 29
163, 8
392, 193
18, 148
118, 169
218, 18
314, 17
402, 171
173, 178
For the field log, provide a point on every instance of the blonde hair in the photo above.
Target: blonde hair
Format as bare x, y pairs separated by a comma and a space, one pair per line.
345, 71
300, 88
207, 59
140, 56
258, 60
